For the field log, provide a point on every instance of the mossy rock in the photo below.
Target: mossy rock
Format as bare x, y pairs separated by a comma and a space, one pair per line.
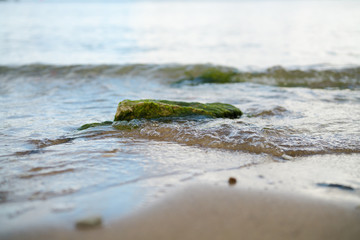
89, 125
215, 75
218, 75
151, 109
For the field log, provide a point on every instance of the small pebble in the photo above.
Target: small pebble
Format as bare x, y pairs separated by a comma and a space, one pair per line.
232, 181
89, 223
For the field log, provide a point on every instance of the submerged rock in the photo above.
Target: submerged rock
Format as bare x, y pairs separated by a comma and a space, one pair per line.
89, 125
212, 75
127, 125
89, 223
150, 109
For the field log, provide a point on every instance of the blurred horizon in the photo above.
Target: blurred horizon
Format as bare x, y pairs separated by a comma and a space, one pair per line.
236, 33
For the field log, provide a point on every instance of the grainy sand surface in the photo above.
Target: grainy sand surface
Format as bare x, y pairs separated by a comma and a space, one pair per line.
217, 212
307, 198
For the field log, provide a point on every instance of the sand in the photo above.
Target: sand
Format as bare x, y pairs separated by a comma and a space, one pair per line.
219, 212
289, 200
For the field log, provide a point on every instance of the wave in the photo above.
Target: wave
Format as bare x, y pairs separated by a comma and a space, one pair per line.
225, 134
195, 74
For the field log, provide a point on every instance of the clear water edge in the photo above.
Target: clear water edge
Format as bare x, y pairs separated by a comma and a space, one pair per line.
50, 162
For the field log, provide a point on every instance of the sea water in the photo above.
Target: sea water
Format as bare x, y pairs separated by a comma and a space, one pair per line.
296, 77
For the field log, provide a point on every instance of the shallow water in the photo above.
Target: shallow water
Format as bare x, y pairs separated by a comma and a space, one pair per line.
52, 172
47, 163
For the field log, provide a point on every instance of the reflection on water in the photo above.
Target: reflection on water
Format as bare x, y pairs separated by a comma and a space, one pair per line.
101, 176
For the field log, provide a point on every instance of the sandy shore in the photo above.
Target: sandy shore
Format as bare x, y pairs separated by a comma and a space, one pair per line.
219, 212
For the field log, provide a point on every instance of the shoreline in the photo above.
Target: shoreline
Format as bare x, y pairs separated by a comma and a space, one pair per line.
217, 212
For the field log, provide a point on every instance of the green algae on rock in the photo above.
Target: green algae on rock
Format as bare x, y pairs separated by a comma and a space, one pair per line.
346, 78
151, 109
130, 112
89, 223
211, 75
89, 125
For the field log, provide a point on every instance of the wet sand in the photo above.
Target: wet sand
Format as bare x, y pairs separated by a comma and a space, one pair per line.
219, 212
273, 200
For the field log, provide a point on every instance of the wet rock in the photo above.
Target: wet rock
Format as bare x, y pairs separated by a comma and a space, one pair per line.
89, 125
152, 109
89, 223
232, 181
127, 125
212, 74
